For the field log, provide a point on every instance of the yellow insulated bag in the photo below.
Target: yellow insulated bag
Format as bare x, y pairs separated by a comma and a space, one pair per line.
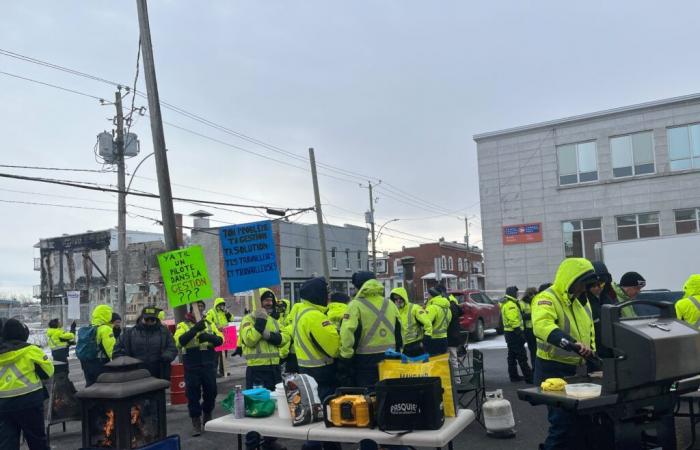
436, 366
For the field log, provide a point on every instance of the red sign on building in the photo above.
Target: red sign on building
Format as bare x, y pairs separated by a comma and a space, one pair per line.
523, 233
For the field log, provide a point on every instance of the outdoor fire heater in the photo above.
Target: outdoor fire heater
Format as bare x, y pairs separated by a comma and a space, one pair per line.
649, 362
125, 408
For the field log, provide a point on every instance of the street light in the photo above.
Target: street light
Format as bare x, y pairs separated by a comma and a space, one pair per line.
379, 233
375, 239
137, 168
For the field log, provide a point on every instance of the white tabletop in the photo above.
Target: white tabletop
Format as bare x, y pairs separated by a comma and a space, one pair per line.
273, 426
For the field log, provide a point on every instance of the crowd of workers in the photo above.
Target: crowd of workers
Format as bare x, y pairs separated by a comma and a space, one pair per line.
337, 339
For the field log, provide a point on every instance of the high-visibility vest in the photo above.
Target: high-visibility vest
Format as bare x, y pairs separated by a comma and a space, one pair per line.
54, 336
263, 353
308, 353
184, 327
18, 373
378, 327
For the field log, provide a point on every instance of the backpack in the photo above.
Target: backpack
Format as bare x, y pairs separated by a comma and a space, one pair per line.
86, 349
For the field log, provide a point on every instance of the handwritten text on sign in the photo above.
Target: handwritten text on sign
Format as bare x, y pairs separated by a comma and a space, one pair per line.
185, 275
250, 257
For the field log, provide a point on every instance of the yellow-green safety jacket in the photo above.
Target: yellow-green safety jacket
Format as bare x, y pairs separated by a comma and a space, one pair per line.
315, 336
415, 322
196, 352
58, 338
526, 309
627, 311
688, 308
511, 314
18, 369
553, 309
336, 311
258, 351
438, 309
375, 316
217, 316
102, 319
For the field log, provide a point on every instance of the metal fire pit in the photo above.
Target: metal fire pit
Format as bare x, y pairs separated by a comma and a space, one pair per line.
62, 405
125, 408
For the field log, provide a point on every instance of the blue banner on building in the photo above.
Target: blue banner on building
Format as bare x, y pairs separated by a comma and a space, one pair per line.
250, 256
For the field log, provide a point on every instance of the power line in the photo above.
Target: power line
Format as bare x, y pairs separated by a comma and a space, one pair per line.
56, 168
73, 91
57, 205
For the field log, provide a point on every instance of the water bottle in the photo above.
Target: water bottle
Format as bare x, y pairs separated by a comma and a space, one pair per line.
239, 403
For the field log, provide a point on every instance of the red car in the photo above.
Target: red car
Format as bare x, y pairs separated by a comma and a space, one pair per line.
479, 313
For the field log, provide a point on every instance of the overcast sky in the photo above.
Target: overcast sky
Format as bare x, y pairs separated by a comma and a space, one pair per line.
393, 90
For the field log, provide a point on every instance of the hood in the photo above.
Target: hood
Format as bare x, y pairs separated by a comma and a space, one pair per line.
263, 291
321, 308
101, 315
401, 292
6, 347
569, 271
602, 271
440, 301
220, 300
371, 288
692, 286
509, 298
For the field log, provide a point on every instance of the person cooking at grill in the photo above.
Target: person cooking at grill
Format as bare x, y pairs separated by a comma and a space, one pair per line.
196, 341
219, 316
631, 284
150, 342
337, 307
263, 342
438, 309
514, 327
688, 308
414, 320
560, 315
59, 340
99, 343
370, 327
23, 366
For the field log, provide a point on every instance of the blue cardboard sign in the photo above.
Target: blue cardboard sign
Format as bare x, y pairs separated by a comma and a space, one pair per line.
250, 256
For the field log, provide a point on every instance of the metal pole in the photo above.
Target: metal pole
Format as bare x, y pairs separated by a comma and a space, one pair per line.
319, 216
374, 241
121, 224
164, 189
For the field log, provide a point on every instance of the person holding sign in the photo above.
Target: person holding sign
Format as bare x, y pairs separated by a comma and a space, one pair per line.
220, 317
263, 342
196, 341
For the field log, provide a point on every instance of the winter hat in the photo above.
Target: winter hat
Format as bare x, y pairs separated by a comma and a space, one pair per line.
266, 295
360, 278
632, 279
15, 330
543, 287
512, 291
53, 323
315, 290
434, 292
441, 289
150, 311
340, 297
602, 271
115, 317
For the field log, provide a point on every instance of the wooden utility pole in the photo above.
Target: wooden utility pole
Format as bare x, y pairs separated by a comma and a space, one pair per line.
319, 217
371, 223
121, 209
164, 189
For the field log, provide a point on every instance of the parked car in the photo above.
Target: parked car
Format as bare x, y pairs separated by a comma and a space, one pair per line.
479, 313
656, 295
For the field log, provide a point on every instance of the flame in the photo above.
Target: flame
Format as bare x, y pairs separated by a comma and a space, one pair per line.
108, 429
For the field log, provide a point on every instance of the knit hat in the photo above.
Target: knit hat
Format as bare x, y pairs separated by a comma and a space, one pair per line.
53, 323
266, 295
15, 330
115, 317
360, 278
512, 291
315, 290
543, 287
602, 271
340, 297
632, 279
434, 292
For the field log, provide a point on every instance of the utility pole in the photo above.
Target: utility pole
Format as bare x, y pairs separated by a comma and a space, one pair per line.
371, 223
466, 241
121, 224
164, 189
319, 217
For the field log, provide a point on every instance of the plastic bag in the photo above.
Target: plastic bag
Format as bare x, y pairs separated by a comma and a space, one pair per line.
257, 402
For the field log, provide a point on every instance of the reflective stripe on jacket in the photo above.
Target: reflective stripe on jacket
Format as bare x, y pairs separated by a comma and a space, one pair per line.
688, 308
316, 339
18, 366
57, 338
256, 350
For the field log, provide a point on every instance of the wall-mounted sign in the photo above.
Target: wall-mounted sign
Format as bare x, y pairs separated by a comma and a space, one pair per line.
523, 233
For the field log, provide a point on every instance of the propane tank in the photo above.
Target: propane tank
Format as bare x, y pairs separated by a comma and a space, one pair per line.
498, 415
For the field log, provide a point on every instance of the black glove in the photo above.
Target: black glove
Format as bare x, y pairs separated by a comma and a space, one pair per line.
344, 372
238, 351
73, 327
208, 337
274, 338
229, 316
200, 326
260, 324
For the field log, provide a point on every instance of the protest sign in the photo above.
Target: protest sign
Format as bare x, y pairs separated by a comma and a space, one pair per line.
185, 275
230, 333
73, 304
250, 257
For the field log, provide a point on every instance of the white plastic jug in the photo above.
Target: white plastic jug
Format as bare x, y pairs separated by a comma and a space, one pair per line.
498, 415
282, 406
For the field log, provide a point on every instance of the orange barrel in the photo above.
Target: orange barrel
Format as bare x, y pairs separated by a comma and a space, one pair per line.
177, 384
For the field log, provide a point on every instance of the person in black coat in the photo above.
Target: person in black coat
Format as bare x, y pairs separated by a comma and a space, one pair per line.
599, 295
149, 342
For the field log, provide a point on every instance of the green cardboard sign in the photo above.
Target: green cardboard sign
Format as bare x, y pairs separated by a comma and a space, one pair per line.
185, 275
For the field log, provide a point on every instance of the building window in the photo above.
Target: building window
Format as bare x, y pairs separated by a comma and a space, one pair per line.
460, 266
580, 238
687, 220
443, 263
684, 147
632, 154
359, 259
636, 226
450, 264
347, 259
577, 163
334, 259
297, 258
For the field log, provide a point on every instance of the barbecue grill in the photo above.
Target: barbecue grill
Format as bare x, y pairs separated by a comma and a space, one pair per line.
650, 360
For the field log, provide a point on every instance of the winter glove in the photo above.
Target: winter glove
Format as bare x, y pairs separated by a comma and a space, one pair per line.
200, 326
260, 325
211, 338
273, 338
229, 316
238, 351
73, 326
260, 313
344, 373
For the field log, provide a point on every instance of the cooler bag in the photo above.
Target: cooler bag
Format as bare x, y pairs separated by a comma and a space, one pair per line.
409, 404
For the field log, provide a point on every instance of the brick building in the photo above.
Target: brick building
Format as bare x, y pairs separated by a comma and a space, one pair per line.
461, 268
